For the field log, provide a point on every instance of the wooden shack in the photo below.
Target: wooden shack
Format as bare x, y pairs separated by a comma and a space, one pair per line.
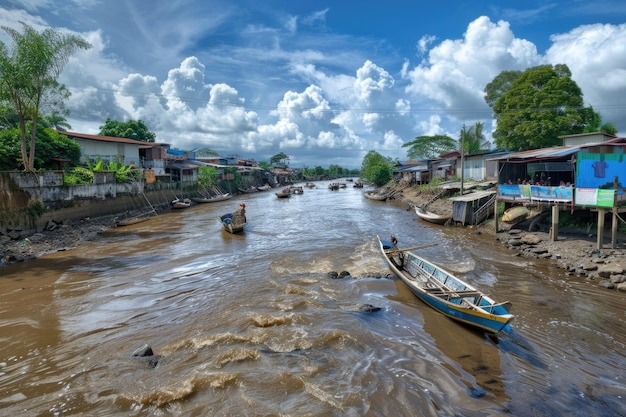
473, 208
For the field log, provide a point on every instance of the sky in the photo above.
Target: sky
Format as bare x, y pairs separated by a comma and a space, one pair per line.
323, 82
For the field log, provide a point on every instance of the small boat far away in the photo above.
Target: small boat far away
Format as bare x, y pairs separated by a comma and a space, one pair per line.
443, 291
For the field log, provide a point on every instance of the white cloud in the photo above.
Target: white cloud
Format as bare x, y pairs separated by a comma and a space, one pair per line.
456, 71
596, 56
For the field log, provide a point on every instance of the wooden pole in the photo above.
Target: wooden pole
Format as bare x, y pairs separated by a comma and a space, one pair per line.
601, 212
614, 219
555, 223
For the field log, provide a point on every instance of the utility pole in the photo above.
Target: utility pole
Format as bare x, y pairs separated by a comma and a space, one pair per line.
462, 157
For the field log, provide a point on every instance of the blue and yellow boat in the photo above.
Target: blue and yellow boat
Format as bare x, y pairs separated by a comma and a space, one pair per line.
444, 292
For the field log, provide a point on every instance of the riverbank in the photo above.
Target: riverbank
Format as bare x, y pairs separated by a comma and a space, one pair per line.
574, 251
18, 246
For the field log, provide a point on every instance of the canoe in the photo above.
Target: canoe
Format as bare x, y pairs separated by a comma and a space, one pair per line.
248, 190
284, 193
513, 214
127, 221
431, 217
236, 221
181, 204
212, 199
373, 195
444, 292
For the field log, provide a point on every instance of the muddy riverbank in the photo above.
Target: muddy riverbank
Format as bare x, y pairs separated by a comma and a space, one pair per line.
575, 251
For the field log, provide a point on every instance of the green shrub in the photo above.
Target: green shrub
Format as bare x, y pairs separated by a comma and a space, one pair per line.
78, 175
36, 208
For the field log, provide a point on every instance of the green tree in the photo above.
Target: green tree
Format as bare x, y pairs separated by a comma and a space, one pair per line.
28, 77
595, 124
207, 177
279, 158
427, 147
51, 147
542, 104
472, 138
132, 129
204, 152
56, 120
376, 168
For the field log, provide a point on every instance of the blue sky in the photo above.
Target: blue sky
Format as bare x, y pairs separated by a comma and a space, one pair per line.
324, 82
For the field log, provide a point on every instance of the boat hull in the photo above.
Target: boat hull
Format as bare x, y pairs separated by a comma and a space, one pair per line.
476, 310
431, 217
229, 226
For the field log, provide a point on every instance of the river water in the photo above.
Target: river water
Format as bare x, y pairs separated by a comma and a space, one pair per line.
251, 325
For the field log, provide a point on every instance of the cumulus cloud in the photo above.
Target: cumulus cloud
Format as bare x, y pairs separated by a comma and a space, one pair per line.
456, 71
596, 55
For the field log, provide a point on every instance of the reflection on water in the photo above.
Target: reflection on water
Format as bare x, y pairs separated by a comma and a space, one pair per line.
252, 324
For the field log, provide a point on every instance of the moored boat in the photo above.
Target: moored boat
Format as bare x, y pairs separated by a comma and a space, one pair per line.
444, 292
212, 199
431, 217
181, 203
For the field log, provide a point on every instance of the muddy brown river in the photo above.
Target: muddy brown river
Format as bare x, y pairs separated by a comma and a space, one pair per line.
251, 325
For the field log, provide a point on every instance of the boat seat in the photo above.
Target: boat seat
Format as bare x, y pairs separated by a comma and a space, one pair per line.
467, 293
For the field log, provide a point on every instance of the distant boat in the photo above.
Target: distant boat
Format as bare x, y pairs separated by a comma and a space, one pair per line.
431, 217
129, 220
181, 204
373, 195
443, 291
236, 221
284, 193
296, 190
265, 187
248, 190
212, 199
358, 185
333, 186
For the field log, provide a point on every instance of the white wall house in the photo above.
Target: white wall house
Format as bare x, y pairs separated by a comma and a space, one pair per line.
107, 148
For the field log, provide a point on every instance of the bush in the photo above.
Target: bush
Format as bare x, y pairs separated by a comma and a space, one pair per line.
36, 208
78, 175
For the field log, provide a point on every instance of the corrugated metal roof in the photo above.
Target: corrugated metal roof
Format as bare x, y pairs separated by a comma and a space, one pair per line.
108, 139
542, 153
476, 195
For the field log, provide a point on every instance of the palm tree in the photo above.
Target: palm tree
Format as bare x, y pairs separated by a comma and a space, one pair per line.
56, 121
28, 74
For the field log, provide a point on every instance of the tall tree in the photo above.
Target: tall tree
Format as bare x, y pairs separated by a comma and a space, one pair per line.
541, 104
279, 158
132, 129
56, 120
472, 138
427, 147
376, 168
28, 77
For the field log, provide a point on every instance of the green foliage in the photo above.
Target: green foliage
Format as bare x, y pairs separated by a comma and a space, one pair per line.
207, 176
279, 158
77, 175
265, 165
428, 147
205, 152
540, 105
472, 138
132, 129
50, 144
376, 168
36, 208
123, 173
29, 78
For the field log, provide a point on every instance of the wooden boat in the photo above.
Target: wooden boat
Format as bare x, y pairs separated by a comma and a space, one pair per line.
236, 221
128, 220
296, 190
248, 190
444, 292
181, 204
373, 195
284, 193
431, 217
212, 199
265, 187
358, 185
515, 214
334, 186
